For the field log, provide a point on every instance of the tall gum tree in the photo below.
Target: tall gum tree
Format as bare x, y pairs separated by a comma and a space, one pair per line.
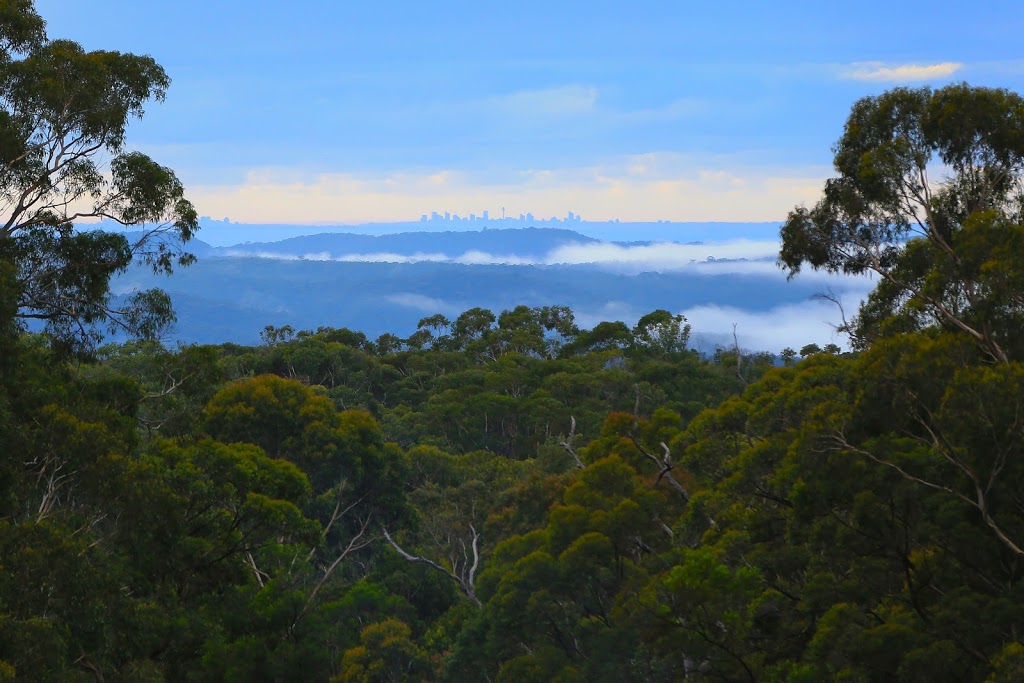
64, 112
929, 199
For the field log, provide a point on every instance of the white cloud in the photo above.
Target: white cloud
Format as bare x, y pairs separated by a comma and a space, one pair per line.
242, 253
792, 325
425, 304
900, 73
476, 257
284, 256
635, 258
768, 268
660, 255
387, 257
609, 312
755, 258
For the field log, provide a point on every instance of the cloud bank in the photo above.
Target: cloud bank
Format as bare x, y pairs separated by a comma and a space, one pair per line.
425, 304
902, 73
755, 258
660, 255
646, 187
792, 325
656, 256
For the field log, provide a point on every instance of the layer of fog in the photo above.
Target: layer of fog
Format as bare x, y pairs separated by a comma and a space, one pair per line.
739, 257
712, 326
791, 325
658, 256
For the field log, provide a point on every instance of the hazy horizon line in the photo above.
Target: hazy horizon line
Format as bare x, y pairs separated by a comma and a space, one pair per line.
465, 221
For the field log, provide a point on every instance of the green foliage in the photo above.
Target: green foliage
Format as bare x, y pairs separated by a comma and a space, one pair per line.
385, 655
661, 333
945, 250
64, 118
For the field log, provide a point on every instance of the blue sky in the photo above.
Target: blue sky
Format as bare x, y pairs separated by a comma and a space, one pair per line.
342, 112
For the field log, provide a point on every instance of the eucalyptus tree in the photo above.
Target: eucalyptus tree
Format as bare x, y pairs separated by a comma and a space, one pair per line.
929, 198
64, 114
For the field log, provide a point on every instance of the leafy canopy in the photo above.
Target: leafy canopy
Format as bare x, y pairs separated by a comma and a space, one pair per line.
929, 197
64, 113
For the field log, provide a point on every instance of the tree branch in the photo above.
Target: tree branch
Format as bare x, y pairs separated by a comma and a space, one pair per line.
464, 579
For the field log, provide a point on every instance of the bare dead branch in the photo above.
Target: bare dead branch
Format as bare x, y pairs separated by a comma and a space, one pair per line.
260, 574
739, 355
568, 443
355, 543
664, 467
464, 579
170, 388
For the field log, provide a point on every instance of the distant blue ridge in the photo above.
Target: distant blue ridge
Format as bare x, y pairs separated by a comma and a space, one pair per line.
221, 234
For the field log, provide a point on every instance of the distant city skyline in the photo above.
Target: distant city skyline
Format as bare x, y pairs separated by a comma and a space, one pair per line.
485, 217
353, 113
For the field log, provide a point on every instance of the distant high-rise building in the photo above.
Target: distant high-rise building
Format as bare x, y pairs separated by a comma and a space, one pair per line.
572, 216
447, 216
472, 218
435, 216
529, 218
487, 215
423, 218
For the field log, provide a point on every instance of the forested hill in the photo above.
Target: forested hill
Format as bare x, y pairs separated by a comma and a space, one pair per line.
223, 233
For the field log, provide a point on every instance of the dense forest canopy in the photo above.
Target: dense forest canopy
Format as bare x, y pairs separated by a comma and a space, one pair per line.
505, 496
